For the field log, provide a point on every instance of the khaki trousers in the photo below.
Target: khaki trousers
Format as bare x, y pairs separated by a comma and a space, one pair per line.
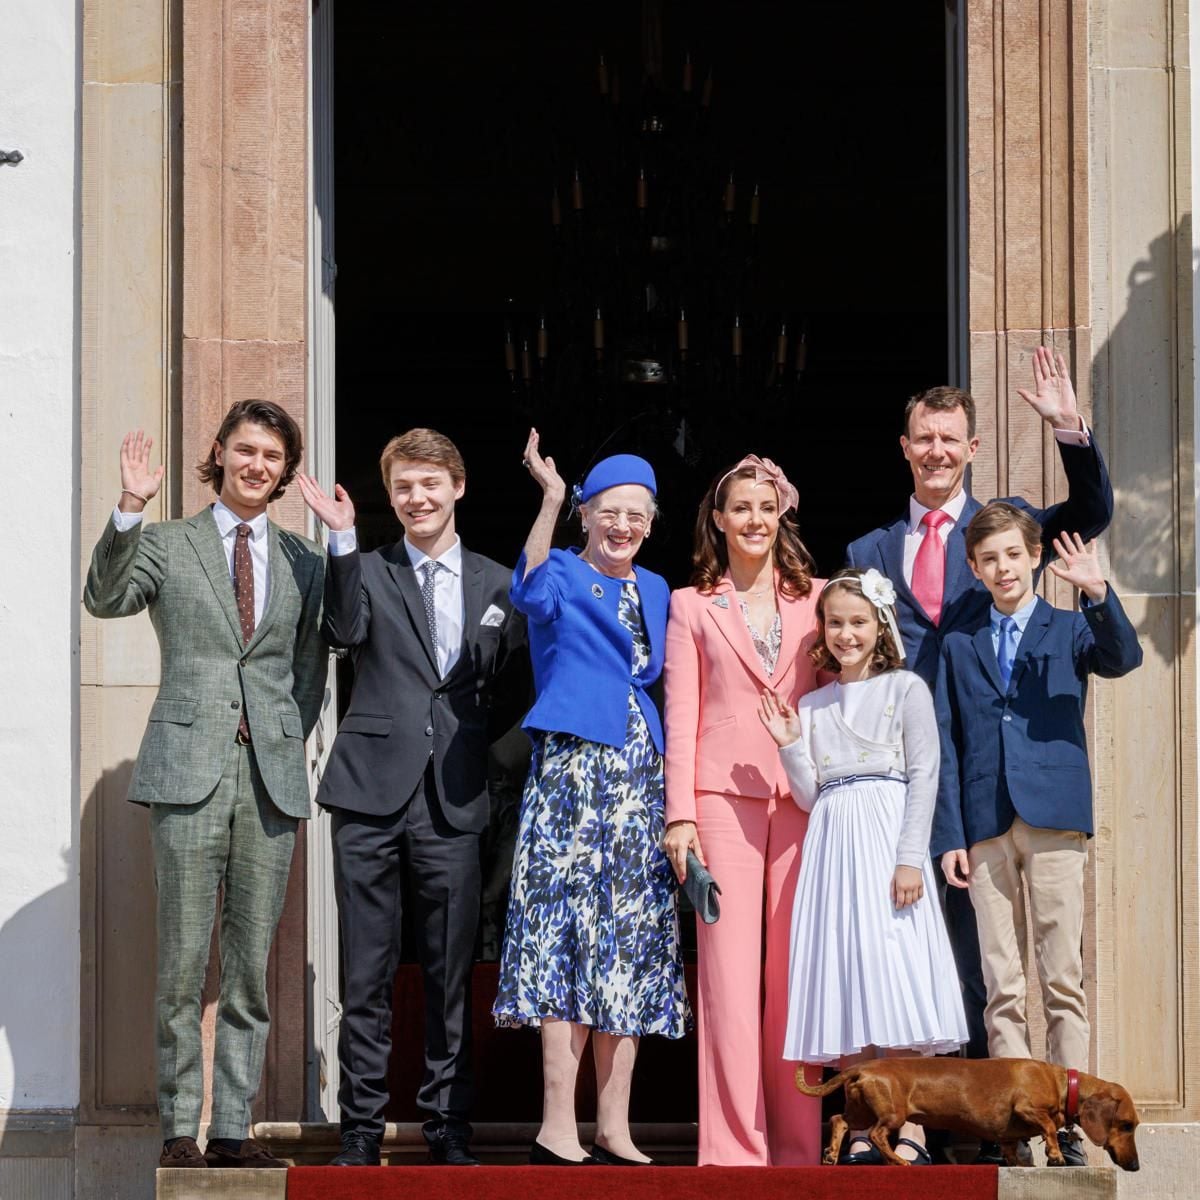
1047, 864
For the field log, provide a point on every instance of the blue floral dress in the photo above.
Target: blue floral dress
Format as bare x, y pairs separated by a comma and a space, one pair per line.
593, 928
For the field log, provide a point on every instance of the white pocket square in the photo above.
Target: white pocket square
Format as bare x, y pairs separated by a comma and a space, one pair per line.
493, 617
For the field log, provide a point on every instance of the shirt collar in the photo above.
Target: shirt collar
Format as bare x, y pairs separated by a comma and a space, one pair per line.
1021, 616
227, 521
451, 559
952, 508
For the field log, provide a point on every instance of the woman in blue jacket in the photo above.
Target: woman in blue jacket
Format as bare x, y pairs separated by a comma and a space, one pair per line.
591, 946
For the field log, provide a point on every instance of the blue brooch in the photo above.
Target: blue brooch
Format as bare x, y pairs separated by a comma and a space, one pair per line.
597, 591
721, 601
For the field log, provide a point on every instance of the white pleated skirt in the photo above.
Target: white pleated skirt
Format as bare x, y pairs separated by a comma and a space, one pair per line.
862, 973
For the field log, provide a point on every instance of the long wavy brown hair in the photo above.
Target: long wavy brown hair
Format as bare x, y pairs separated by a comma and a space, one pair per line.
710, 558
887, 655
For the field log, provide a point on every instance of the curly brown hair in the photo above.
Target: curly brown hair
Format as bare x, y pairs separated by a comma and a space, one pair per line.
887, 657
270, 416
710, 558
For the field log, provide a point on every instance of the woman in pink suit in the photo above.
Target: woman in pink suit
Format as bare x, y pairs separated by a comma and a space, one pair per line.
744, 625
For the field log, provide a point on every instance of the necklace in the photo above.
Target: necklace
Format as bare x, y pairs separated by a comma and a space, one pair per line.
759, 592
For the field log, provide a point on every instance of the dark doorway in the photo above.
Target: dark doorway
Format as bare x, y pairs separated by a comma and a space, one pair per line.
454, 123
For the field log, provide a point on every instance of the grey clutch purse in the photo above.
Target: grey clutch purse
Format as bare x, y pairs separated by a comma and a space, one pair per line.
702, 890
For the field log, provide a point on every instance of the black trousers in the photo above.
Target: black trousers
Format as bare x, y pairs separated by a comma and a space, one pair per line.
379, 863
964, 942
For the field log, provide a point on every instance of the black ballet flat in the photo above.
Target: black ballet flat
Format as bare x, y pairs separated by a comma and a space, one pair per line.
606, 1158
863, 1158
923, 1159
539, 1156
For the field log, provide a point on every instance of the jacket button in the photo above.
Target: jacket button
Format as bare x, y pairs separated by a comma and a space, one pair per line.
235, 704
243, 662
429, 731
1008, 716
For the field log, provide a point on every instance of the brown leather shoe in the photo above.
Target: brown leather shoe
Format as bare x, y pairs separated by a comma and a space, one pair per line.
248, 1154
183, 1152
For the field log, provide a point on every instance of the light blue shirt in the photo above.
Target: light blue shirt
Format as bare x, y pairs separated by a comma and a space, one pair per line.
1021, 617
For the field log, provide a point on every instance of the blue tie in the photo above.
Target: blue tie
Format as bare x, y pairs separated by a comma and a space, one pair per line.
1006, 650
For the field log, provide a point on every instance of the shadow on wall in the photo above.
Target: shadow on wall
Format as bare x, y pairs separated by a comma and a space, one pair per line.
31, 971
1151, 539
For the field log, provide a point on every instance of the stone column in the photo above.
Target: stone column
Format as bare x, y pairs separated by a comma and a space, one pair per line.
1076, 241
244, 305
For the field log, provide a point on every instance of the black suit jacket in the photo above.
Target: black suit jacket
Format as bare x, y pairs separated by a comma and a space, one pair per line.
401, 711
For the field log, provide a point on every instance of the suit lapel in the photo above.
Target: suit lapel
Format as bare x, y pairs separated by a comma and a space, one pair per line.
731, 623
958, 578
791, 634
1035, 630
987, 656
891, 555
654, 613
275, 569
472, 591
206, 541
405, 577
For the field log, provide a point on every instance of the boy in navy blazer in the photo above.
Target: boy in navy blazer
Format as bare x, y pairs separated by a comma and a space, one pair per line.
1014, 808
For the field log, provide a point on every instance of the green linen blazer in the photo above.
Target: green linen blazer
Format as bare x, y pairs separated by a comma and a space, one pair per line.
179, 571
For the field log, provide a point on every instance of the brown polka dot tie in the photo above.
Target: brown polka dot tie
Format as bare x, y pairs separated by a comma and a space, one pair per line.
243, 591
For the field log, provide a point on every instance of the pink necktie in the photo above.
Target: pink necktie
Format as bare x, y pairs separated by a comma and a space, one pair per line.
929, 567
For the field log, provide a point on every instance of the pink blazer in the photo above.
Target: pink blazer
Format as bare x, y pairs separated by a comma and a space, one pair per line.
715, 741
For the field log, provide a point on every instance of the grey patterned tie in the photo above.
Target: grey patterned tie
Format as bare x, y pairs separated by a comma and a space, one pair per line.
430, 567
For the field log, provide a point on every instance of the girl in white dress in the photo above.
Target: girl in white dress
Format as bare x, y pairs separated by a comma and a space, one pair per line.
871, 968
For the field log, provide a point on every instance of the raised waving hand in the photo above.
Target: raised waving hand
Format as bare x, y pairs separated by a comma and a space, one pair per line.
139, 480
336, 511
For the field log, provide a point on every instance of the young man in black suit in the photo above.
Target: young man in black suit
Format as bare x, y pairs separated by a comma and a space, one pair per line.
431, 631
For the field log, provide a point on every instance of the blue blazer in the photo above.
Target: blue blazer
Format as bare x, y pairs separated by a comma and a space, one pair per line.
582, 654
1087, 510
1021, 750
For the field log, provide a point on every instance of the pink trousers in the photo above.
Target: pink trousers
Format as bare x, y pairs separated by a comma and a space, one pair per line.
750, 1111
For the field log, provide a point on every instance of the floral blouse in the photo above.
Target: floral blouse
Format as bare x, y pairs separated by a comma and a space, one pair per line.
768, 647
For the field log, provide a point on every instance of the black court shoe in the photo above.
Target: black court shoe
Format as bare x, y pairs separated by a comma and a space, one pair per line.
606, 1158
539, 1156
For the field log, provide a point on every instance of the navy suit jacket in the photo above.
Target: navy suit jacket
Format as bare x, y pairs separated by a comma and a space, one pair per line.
1022, 750
1087, 511
582, 654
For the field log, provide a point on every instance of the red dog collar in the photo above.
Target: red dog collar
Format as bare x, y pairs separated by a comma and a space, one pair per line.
1072, 1113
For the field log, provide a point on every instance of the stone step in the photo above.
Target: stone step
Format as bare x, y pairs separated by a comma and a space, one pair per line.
1009, 1183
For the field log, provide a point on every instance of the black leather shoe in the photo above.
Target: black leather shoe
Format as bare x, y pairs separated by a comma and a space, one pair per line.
989, 1155
922, 1156
606, 1158
449, 1146
358, 1150
539, 1156
1071, 1145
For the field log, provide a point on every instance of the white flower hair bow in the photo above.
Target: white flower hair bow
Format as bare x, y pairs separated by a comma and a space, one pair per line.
878, 588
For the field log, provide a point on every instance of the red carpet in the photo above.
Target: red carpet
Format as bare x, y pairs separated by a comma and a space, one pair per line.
661, 1183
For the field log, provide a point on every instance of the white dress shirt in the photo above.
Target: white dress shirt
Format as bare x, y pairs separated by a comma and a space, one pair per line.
917, 532
447, 591
953, 508
227, 522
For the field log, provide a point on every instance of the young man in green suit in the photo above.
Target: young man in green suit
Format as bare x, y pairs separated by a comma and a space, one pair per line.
236, 604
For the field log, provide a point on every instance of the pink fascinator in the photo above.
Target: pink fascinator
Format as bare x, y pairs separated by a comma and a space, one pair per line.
765, 471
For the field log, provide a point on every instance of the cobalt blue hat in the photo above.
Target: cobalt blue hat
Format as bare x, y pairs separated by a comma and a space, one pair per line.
616, 470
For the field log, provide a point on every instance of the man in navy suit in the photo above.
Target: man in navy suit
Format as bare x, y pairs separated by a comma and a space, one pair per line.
936, 594
1014, 808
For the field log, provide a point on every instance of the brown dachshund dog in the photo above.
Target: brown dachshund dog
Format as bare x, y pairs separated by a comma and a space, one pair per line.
994, 1099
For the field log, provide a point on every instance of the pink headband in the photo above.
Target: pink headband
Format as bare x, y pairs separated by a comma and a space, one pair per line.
765, 471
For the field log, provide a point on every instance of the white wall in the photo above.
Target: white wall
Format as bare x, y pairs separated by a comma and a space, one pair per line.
39, 584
